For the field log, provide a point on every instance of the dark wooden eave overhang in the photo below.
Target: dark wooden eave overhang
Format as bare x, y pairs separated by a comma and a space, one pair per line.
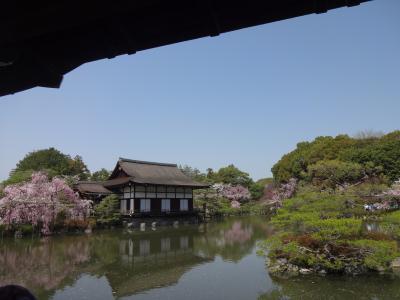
40, 41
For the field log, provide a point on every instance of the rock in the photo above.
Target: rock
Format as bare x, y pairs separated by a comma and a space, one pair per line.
355, 269
282, 268
142, 226
305, 271
381, 269
292, 270
130, 225
396, 264
275, 269
88, 230
282, 261
18, 234
322, 272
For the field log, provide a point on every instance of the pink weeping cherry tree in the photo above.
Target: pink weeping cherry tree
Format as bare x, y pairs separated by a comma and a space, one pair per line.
40, 201
235, 194
285, 190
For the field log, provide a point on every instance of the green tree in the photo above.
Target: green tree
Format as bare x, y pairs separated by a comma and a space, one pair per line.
18, 176
101, 175
107, 211
210, 172
232, 175
193, 173
378, 152
256, 190
51, 161
78, 167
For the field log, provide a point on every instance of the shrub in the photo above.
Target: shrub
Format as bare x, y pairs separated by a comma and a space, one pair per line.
334, 229
107, 211
379, 253
391, 224
333, 173
256, 190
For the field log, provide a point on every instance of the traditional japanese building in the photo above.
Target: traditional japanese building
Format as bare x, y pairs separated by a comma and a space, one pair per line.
147, 188
92, 190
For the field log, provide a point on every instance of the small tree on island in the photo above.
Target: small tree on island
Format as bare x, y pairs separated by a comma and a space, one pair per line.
39, 203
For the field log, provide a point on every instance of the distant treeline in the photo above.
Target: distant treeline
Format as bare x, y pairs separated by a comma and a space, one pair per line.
342, 159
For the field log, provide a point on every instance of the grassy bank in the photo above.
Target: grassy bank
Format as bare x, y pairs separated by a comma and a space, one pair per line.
324, 232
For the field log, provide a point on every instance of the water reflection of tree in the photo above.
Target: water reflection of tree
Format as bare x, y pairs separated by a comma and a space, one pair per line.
41, 265
233, 238
335, 287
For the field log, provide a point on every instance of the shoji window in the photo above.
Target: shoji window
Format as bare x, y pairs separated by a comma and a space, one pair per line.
127, 192
145, 205
123, 206
184, 205
165, 205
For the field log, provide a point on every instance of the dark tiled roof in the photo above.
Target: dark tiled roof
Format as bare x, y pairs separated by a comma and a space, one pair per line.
151, 173
91, 187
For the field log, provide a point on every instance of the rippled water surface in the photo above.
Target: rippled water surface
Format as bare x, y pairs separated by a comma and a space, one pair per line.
207, 261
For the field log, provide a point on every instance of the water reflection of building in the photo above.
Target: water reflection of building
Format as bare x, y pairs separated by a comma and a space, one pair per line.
152, 261
137, 250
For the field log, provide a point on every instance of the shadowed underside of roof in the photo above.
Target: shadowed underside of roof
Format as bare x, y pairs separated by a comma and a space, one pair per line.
43, 40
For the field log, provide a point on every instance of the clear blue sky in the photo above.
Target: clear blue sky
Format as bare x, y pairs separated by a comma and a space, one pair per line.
245, 97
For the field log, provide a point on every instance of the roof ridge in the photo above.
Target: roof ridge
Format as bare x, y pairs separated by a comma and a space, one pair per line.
147, 162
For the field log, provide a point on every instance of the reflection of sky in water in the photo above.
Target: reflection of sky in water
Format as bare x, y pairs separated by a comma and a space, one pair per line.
86, 287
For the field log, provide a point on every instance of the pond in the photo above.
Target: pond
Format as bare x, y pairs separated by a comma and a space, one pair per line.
208, 261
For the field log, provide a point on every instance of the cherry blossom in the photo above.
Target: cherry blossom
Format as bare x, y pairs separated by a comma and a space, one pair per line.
234, 193
40, 201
